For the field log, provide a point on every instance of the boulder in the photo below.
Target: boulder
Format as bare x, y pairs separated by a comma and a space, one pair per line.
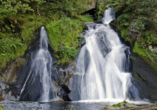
64, 92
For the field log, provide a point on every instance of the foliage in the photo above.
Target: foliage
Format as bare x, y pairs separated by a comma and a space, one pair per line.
100, 7
70, 8
148, 39
1, 107
135, 14
123, 21
20, 18
137, 50
124, 32
10, 48
68, 53
12, 7
30, 26
137, 22
122, 104
71, 107
64, 36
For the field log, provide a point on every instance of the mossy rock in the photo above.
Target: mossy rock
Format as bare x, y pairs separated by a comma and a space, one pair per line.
122, 104
138, 50
1, 107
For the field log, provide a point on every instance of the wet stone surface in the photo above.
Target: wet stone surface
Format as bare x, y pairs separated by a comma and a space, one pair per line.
17, 105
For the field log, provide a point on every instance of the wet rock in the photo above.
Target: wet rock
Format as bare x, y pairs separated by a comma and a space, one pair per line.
103, 43
1, 107
99, 20
127, 51
144, 77
64, 92
83, 41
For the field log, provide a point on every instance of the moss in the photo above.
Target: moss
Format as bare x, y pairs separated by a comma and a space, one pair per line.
28, 28
128, 39
65, 31
67, 79
10, 49
124, 32
133, 58
1, 107
137, 50
139, 76
100, 7
151, 64
64, 36
122, 104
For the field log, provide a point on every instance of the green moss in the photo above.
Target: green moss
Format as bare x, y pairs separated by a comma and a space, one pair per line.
1, 107
64, 36
128, 39
10, 48
28, 28
85, 18
139, 76
122, 104
137, 50
133, 58
100, 7
124, 32
151, 63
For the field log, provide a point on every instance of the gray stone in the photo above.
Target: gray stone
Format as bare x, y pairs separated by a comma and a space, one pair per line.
144, 77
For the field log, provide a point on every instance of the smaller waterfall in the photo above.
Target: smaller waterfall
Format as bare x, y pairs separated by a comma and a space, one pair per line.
38, 85
109, 15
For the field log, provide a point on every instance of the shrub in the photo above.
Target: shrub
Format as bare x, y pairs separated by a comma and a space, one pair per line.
64, 36
10, 48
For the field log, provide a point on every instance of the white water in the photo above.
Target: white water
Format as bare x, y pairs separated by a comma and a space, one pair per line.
41, 67
46, 57
109, 15
105, 77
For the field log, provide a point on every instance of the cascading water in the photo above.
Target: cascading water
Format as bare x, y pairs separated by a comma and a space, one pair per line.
38, 85
109, 15
104, 75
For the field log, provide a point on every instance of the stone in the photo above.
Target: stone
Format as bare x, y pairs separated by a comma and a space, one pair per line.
144, 77
64, 92
83, 41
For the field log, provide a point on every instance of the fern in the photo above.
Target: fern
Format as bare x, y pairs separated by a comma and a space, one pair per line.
10, 48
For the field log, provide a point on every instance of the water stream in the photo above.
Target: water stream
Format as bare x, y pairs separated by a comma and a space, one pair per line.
39, 78
102, 67
102, 73
105, 74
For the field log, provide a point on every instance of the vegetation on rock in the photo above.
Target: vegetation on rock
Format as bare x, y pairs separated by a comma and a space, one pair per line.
137, 22
122, 104
1, 107
20, 18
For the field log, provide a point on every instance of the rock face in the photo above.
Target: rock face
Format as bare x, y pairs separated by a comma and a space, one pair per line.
64, 92
92, 5
17, 72
103, 43
144, 77
41, 77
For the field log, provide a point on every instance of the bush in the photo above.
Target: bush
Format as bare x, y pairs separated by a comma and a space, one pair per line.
138, 50
10, 48
64, 36
122, 104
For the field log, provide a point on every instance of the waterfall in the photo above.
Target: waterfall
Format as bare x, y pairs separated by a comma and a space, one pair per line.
104, 74
38, 85
109, 15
